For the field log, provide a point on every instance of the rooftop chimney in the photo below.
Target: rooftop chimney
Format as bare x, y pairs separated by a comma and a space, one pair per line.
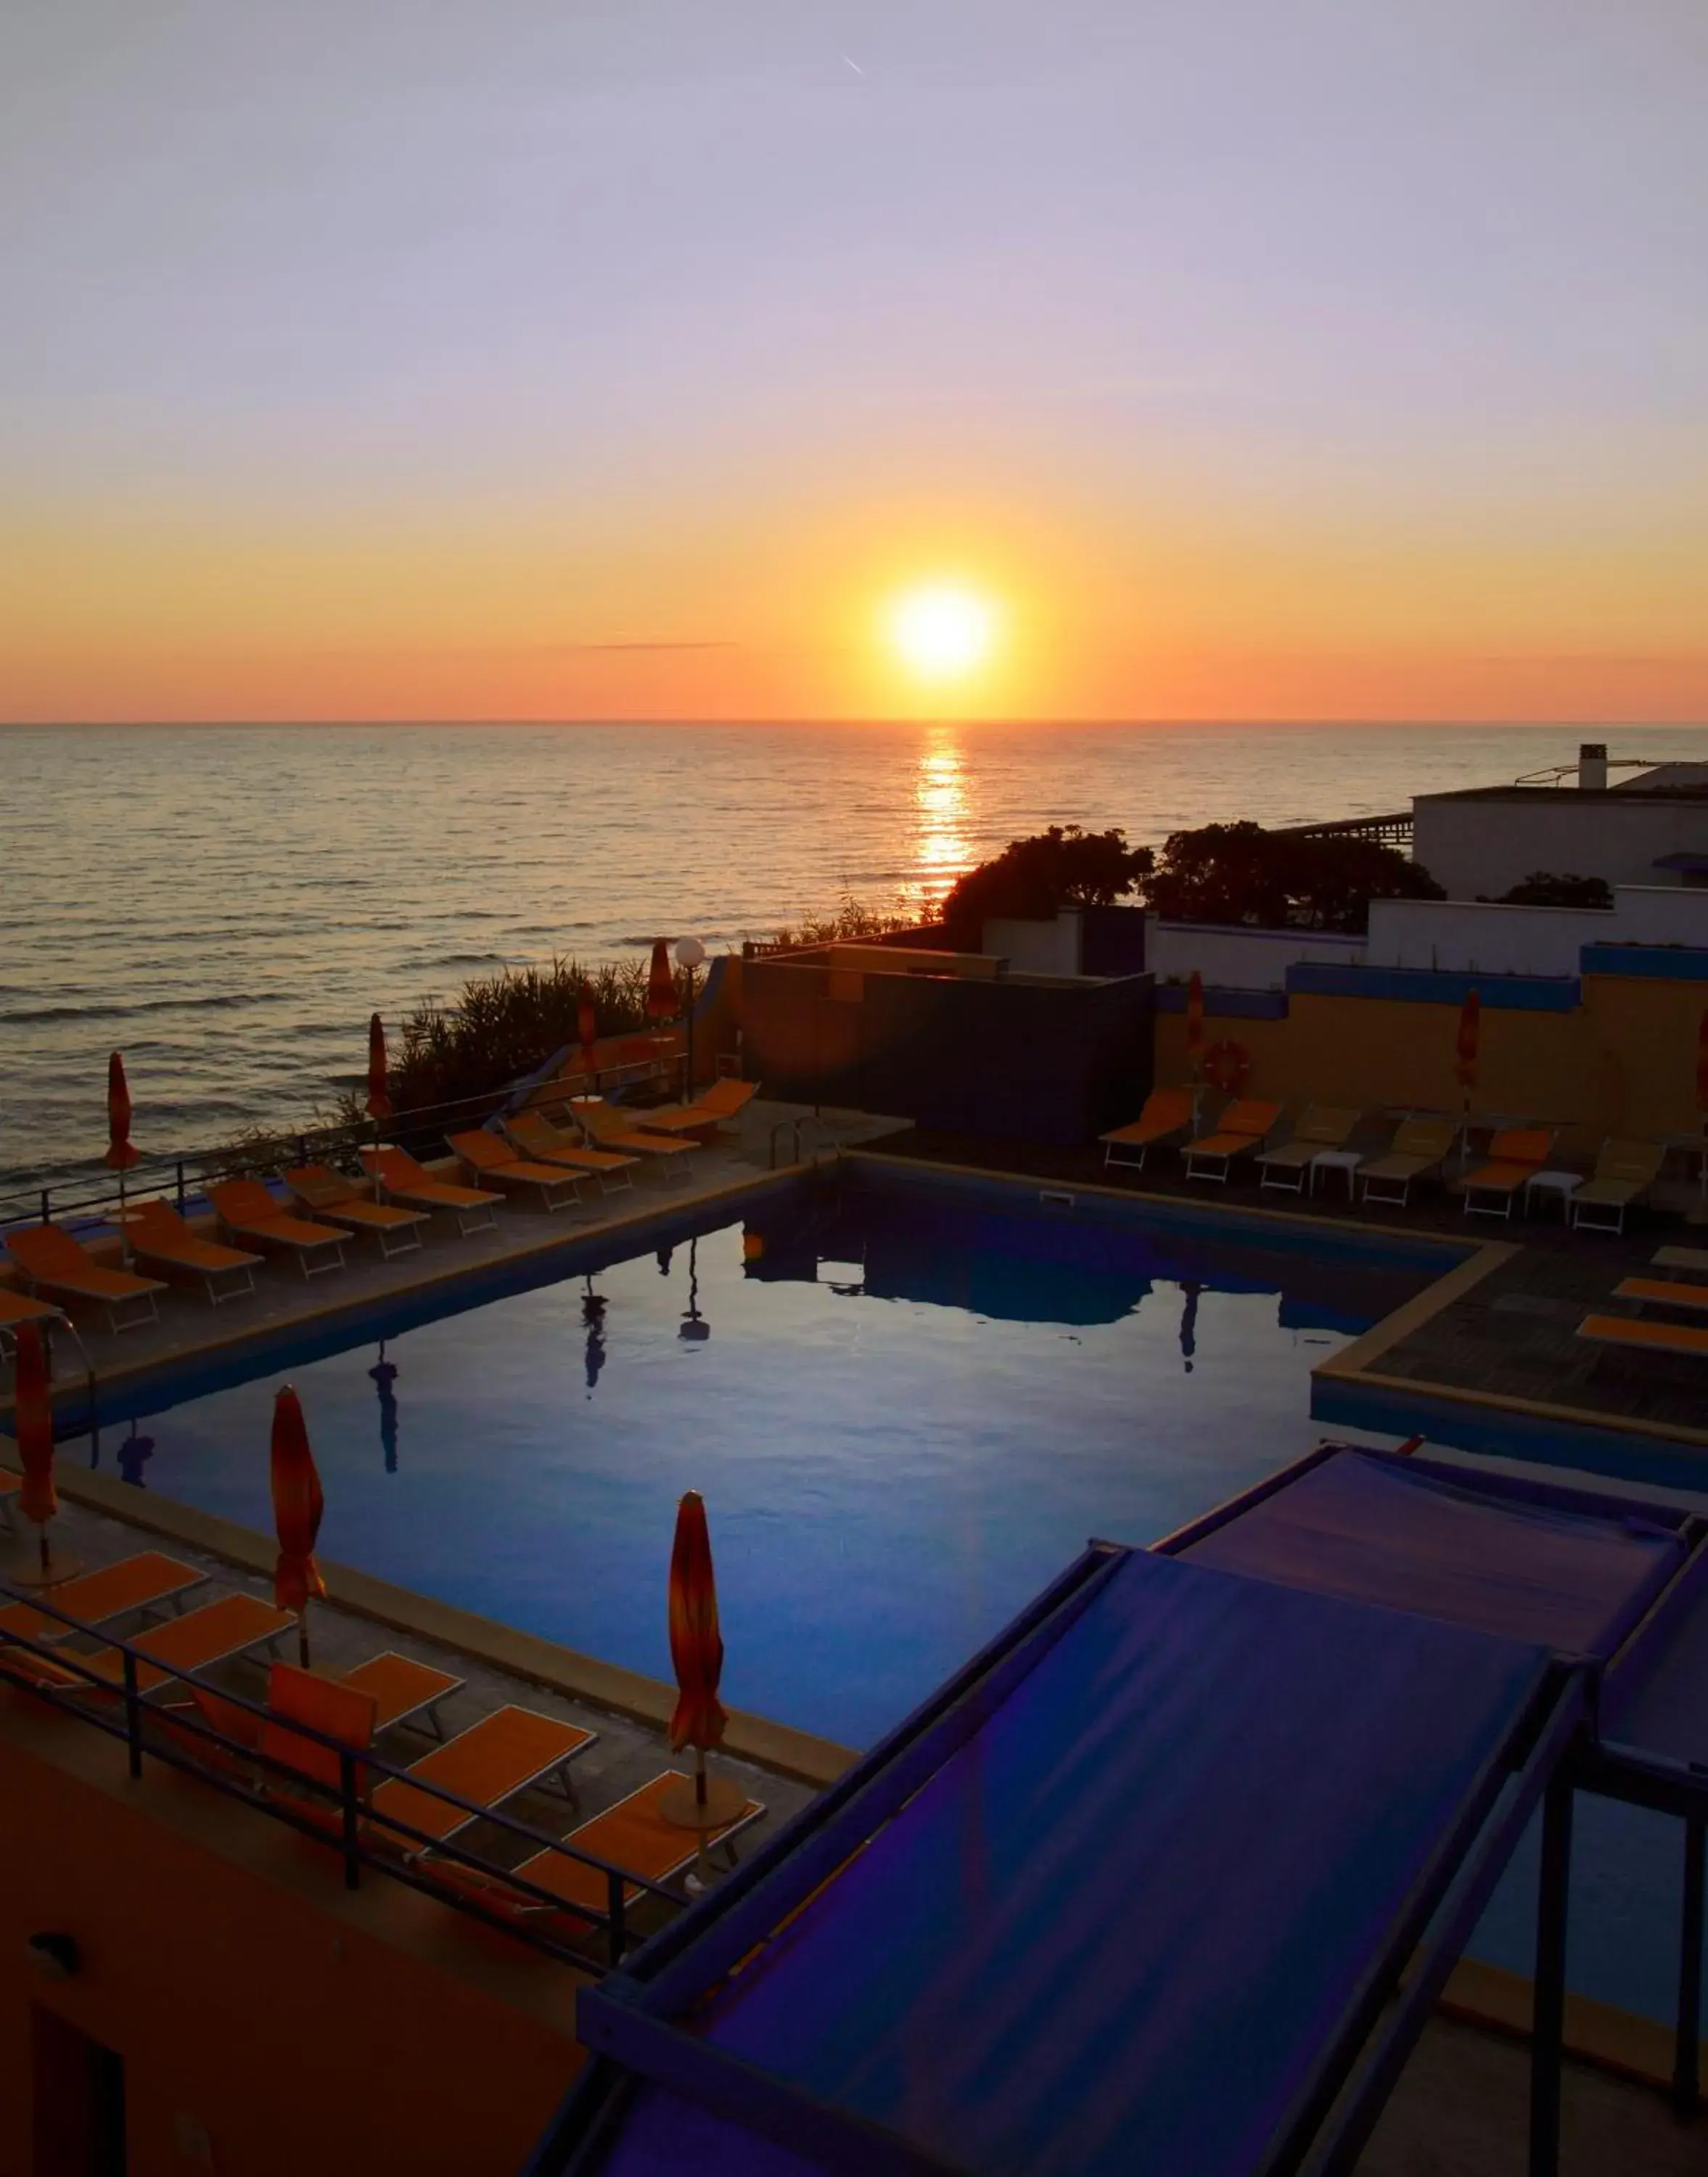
1592, 765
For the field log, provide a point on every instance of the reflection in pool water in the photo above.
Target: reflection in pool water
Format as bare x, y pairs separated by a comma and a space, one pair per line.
905, 1418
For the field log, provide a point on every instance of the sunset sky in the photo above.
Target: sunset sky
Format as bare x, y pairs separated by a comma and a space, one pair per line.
610, 358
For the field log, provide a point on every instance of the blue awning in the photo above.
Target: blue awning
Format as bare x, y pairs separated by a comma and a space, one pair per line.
1122, 1923
1376, 1529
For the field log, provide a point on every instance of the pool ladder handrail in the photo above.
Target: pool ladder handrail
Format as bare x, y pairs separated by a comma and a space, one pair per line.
789, 1125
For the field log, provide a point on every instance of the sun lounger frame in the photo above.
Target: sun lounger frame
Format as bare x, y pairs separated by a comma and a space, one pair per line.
1118, 1153
398, 1232
114, 1304
562, 1190
310, 1254
429, 1193
221, 1281
572, 1152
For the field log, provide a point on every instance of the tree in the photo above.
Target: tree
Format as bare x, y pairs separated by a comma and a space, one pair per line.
1240, 873
1542, 888
1031, 878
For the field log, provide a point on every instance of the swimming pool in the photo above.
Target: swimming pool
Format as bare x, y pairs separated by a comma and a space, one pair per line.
906, 1410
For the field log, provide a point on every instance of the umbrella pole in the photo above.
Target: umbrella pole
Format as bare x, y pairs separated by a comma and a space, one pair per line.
123, 1225
702, 1864
303, 1634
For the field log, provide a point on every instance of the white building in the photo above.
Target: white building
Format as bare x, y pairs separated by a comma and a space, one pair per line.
1650, 830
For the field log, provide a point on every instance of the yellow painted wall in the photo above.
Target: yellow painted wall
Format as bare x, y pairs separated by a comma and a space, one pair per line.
1624, 1063
294, 2041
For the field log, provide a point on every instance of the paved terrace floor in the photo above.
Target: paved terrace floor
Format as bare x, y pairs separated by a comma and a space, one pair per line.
1511, 1335
725, 1170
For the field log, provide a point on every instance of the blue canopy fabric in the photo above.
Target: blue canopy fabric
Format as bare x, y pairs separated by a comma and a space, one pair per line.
1375, 1530
1119, 1927
1656, 1700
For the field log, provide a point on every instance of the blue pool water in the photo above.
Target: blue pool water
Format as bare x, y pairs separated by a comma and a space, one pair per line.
905, 1415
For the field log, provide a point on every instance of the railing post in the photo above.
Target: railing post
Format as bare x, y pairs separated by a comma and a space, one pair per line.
353, 1842
1686, 2093
613, 1907
181, 1185
133, 1715
46, 1196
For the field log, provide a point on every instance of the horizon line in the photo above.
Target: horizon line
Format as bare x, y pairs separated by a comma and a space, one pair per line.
703, 723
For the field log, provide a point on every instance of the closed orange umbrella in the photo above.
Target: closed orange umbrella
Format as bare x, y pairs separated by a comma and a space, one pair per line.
1465, 1048
120, 1152
297, 1505
661, 984
696, 1656
1702, 1068
32, 1423
588, 1028
1195, 1021
378, 1102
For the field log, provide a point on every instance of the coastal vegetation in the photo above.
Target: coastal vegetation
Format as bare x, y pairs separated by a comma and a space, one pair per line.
1241, 873
503, 1026
1218, 873
1032, 879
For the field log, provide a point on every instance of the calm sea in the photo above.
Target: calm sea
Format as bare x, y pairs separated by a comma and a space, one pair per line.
228, 905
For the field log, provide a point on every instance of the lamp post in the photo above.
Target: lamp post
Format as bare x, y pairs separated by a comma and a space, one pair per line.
689, 954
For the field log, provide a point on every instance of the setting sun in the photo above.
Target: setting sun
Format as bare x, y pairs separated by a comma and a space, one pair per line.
943, 632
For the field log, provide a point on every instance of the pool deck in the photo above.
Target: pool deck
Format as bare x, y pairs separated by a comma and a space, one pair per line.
527, 1244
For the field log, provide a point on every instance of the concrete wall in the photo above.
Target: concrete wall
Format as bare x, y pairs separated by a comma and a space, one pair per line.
1529, 941
1623, 1062
1488, 845
1016, 1059
1239, 959
262, 2034
1036, 949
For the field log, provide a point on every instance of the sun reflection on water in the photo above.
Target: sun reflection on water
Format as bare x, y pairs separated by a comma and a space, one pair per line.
942, 849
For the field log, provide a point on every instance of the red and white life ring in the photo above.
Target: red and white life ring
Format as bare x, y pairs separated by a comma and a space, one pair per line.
1227, 1066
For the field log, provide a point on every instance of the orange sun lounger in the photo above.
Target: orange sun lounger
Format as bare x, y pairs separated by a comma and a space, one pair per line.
402, 1689
330, 1195
1642, 1335
553, 1186
1664, 1292
1242, 1131
246, 1209
18, 1307
402, 1179
715, 1105
606, 1126
53, 1262
97, 1598
488, 1763
159, 1235
213, 1634
1167, 1112
633, 1836
535, 1136
1516, 1155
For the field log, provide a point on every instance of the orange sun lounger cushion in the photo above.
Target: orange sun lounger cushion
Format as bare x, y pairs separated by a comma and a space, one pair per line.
95, 1598
489, 1763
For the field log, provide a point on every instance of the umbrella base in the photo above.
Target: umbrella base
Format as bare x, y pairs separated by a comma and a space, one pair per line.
27, 1570
722, 1805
